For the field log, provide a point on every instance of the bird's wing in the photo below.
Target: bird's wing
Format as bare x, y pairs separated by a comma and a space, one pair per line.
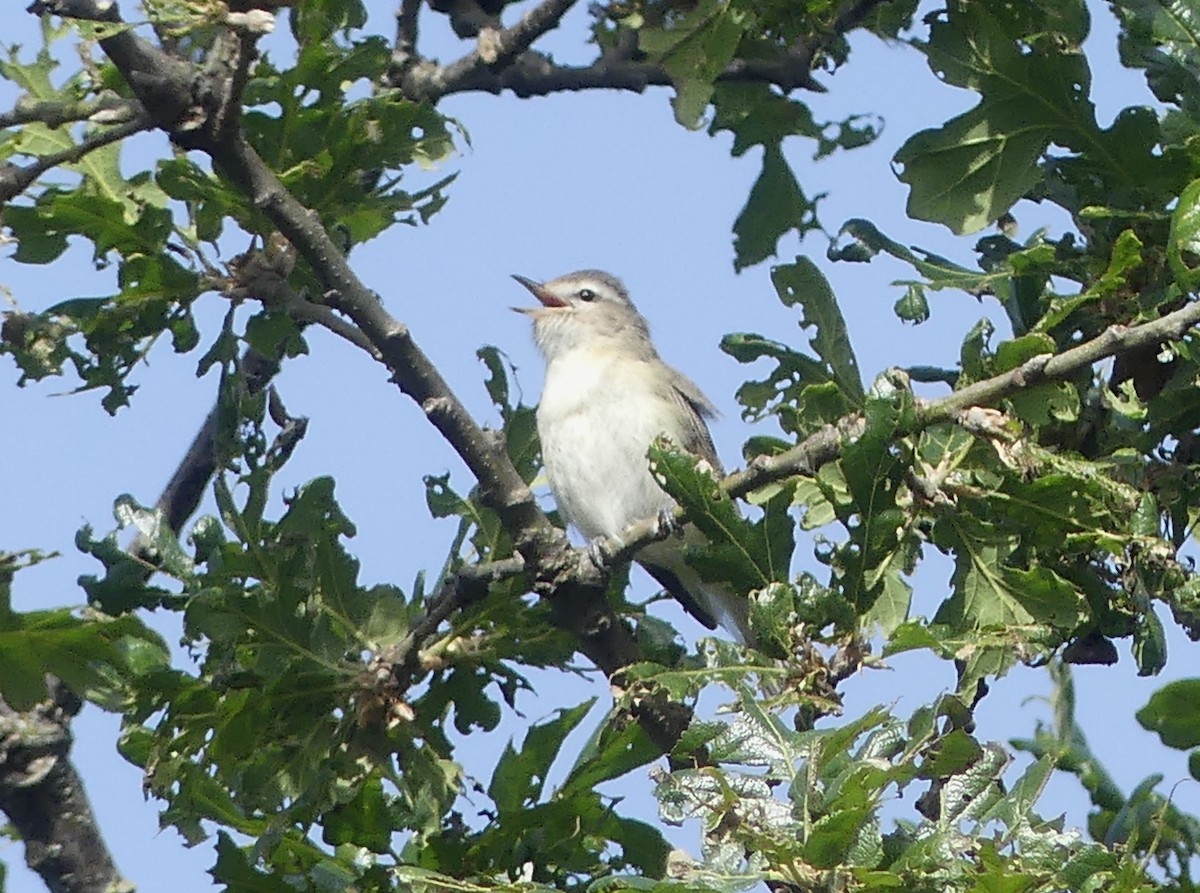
696, 407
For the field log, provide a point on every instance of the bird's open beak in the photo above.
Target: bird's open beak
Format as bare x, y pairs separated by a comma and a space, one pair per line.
539, 291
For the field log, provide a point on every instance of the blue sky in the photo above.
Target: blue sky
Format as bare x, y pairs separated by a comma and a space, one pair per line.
546, 186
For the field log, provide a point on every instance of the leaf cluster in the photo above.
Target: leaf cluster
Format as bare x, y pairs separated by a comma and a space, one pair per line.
161, 229
320, 723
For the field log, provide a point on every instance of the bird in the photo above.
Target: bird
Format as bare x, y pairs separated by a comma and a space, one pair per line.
607, 396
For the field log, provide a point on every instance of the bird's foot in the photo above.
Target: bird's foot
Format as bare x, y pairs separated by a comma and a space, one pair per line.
600, 553
665, 523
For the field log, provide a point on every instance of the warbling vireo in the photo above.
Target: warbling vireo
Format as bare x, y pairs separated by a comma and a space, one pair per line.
607, 396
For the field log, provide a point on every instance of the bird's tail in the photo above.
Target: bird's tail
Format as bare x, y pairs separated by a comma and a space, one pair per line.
710, 603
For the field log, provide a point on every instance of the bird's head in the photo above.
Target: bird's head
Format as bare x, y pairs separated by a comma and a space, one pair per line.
589, 308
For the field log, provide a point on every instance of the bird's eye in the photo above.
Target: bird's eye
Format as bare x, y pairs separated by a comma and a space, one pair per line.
586, 294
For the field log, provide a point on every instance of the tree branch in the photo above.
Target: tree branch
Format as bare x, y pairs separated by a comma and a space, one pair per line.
824, 446
499, 49
535, 74
603, 637
14, 179
466, 586
405, 49
506, 62
107, 109
43, 797
182, 494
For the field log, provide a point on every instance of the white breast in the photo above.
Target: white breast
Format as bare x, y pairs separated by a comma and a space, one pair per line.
596, 420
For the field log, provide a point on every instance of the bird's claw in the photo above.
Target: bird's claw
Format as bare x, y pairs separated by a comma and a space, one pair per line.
665, 523
598, 554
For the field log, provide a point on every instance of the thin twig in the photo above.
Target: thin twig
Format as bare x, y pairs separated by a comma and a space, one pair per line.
466, 585
306, 311
14, 179
53, 113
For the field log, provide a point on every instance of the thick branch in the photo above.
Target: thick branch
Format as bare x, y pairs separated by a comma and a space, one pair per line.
43, 797
182, 494
502, 488
406, 32
162, 83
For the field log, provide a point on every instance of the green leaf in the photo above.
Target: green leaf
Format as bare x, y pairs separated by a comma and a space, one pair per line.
776, 206
971, 170
124, 586
803, 393
89, 654
643, 845
833, 837
275, 335
363, 821
520, 776
974, 168
235, 869
617, 747
989, 592
1183, 249
798, 392
758, 116
748, 554
873, 467
952, 754
1149, 644
1011, 354
497, 380
155, 535
866, 241
1041, 405
802, 284
913, 307
1173, 714
973, 791
1163, 37
694, 49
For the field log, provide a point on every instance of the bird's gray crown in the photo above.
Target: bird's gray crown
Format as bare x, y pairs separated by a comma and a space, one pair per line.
606, 283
